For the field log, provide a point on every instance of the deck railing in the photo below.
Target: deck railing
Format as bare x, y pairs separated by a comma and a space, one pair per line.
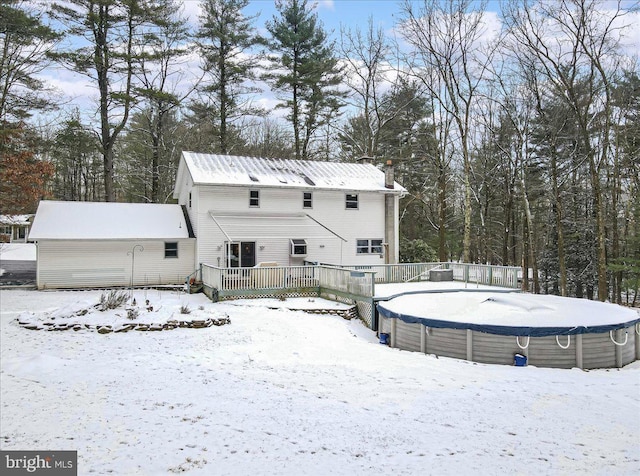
355, 284
344, 279
505, 276
260, 278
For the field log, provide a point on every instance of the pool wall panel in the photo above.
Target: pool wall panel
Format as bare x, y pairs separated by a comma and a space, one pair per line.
629, 349
494, 349
545, 352
408, 336
447, 342
598, 351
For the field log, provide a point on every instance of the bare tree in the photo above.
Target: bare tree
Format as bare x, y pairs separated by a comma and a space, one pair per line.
367, 54
574, 43
451, 60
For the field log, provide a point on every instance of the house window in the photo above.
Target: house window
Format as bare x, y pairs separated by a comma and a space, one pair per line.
352, 200
254, 198
369, 247
171, 249
298, 247
307, 200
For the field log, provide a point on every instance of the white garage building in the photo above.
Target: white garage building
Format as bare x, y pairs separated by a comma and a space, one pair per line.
97, 244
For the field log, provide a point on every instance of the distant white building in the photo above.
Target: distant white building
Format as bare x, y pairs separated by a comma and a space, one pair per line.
246, 211
90, 244
14, 228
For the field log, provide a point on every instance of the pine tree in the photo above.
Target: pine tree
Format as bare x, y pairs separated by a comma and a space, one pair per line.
224, 38
305, 71
106, 33
25, 46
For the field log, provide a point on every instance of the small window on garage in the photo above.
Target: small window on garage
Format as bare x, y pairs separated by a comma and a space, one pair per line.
254, 198
352, 201
171, 249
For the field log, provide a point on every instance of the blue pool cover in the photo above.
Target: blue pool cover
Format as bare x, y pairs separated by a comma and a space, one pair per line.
510, 315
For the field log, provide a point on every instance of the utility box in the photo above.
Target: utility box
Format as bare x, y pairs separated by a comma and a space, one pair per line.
441, 275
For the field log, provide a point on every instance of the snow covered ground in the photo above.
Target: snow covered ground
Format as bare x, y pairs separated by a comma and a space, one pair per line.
17, 252
289, 393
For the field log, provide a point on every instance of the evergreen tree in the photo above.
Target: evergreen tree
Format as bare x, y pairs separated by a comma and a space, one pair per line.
305, 71
25, 46
163, 48
224, 39
75, 155
106, 33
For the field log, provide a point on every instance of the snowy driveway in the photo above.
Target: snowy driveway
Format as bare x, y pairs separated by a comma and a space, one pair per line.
288, 393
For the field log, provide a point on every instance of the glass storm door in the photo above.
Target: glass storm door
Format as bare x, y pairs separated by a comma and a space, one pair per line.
242, 254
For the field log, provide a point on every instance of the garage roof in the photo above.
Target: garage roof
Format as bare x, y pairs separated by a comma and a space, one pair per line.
57, 220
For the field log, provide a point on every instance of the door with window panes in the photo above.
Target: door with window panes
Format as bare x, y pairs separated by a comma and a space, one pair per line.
241, 254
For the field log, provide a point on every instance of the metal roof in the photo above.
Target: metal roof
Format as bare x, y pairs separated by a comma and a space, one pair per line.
57, 220
214, 169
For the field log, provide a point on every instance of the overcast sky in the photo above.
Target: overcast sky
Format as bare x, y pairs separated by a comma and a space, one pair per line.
333, 14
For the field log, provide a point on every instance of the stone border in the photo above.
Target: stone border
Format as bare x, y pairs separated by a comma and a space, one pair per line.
126, 327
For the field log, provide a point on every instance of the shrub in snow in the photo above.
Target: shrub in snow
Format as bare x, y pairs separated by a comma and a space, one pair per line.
112, 300
184, 309
132, 313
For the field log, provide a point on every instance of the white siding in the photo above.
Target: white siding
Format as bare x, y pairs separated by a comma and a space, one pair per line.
367, 222
77, 264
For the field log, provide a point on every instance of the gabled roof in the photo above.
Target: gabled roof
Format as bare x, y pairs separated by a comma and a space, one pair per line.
57, 220
213, 169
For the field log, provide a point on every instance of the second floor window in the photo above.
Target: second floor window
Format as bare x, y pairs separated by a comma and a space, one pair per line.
307, 200
352, 201
254, 198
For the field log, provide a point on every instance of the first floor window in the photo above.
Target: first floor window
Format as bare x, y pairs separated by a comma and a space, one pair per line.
369, 247
171, 249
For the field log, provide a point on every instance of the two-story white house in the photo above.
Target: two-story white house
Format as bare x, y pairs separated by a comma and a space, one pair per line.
246, 211
231, 212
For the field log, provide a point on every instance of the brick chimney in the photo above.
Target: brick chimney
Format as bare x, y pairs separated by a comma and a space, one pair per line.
389, 176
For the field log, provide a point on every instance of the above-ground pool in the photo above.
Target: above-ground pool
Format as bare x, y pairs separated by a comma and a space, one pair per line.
503, 328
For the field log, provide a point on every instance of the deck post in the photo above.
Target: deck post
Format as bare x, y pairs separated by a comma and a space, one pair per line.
579, 355
469, 345
423, 338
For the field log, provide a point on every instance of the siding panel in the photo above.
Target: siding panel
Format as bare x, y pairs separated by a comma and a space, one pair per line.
77, 264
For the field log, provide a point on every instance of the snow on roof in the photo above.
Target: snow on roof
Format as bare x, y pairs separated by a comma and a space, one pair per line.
107, 221
15, 219
216, 169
